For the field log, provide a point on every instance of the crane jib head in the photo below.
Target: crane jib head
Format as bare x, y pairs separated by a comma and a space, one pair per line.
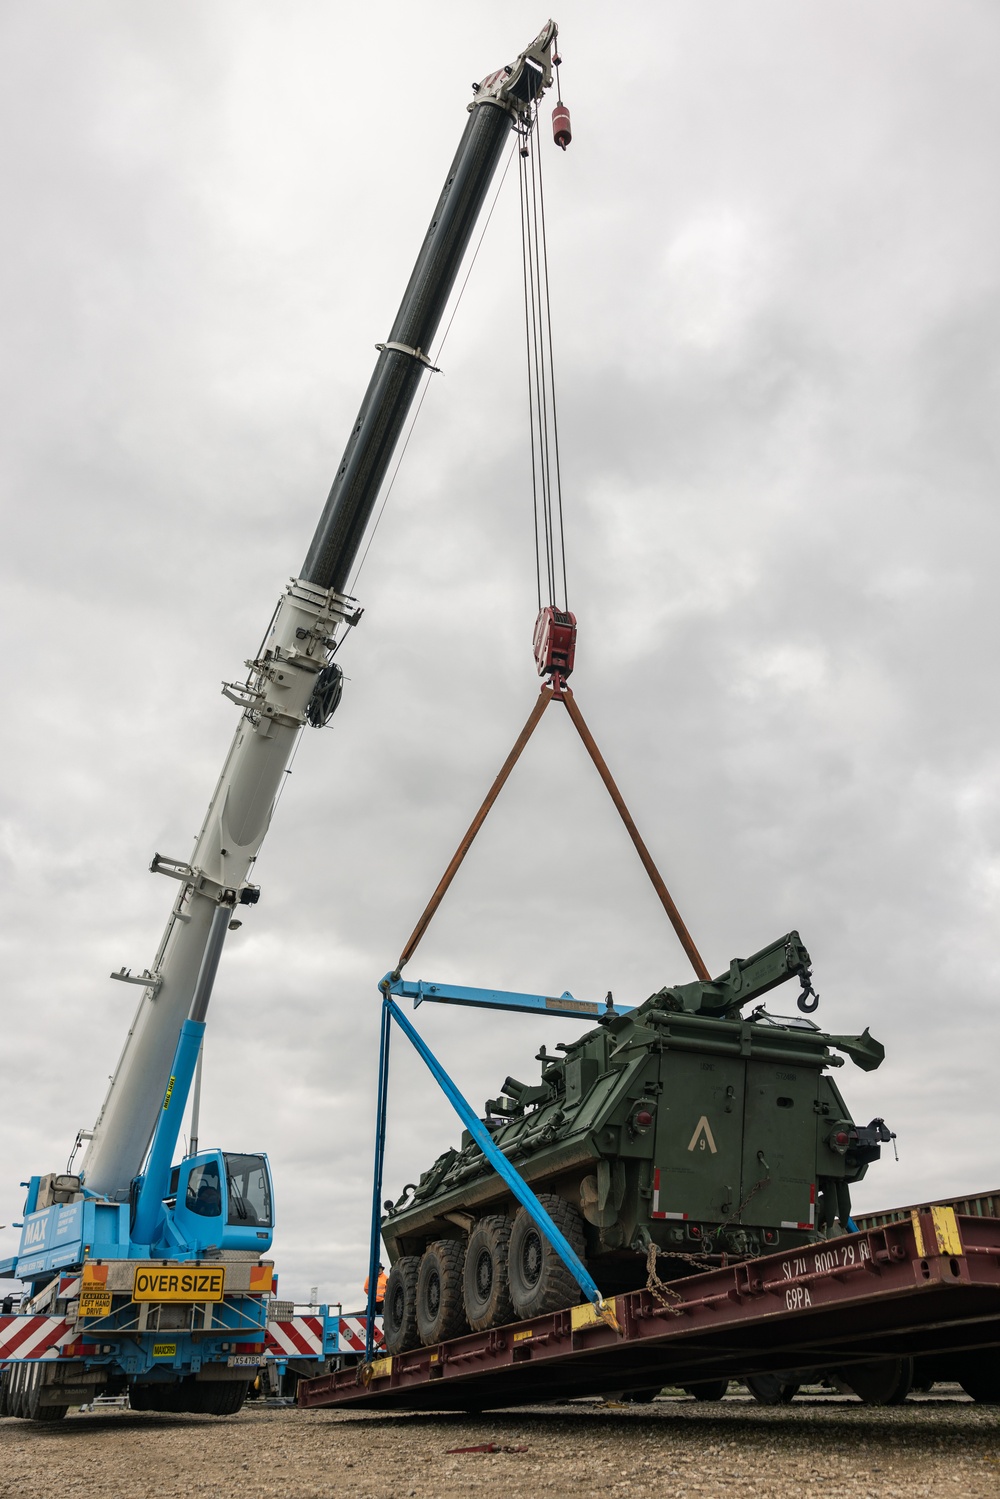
517, 86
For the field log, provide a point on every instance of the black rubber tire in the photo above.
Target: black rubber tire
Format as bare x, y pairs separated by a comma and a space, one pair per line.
771, 1389
485, 1282
440, 1307
399, 1316
50, 1412
179, 1397
710, 1389
539, 1281
222, 1397
885, 1381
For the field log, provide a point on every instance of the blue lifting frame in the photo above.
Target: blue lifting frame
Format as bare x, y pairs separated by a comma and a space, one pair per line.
393, 986
500, 999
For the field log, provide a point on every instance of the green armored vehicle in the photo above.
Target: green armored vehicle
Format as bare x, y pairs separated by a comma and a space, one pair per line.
665, 1138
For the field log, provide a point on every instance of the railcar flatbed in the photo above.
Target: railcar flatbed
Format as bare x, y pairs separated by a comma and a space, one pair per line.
927, 1285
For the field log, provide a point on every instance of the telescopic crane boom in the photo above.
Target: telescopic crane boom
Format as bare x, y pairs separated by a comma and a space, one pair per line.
294, 680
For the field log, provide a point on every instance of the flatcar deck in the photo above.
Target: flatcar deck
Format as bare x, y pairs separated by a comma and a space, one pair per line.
929, 1284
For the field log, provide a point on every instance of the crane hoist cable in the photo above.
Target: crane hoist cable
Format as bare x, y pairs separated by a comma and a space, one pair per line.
555, 627
543, 417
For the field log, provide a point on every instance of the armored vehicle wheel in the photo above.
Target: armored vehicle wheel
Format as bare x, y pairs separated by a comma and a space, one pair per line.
539, 1281
885, 1381
440, 1308
709, 1389
771, 1389
399, 1312
485, 1282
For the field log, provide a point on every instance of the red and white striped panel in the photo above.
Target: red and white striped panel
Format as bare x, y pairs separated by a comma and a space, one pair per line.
299, 1337
352, 1333
34, 1337
659, 1212
786, 1223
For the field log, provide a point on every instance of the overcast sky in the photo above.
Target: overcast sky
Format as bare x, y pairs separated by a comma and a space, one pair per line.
773, 246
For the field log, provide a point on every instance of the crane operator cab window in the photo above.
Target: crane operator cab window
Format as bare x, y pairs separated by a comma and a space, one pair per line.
204, 1191
249, 1191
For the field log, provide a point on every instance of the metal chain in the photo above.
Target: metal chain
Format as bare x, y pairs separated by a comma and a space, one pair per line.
764, 1181
659, 1288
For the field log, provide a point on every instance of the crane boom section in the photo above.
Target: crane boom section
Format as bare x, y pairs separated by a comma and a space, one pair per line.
313, 610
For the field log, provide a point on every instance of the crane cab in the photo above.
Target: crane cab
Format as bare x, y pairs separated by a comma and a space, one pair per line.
221, 1200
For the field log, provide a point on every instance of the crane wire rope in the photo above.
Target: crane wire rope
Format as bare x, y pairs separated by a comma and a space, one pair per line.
546, 470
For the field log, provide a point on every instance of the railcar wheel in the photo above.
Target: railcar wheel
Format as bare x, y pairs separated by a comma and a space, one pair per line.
709, 1389
485, 1280
771, 1389
539, 1281
885, 1381
440, 1307
979, 1376
399, 1313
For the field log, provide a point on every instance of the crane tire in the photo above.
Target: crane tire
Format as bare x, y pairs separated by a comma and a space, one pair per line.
485, 1279
539, 1281
399, 1312
222, 1397
440, 1308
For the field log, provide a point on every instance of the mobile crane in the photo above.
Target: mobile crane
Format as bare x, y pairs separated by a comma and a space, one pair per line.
146, 1275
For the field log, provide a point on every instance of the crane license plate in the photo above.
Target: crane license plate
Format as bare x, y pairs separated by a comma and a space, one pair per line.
151, 1284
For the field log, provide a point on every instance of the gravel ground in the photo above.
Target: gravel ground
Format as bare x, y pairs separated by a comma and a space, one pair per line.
830, 1446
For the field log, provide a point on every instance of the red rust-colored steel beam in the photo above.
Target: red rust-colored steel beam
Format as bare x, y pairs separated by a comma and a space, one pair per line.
534, 717
888, 1292
666, 900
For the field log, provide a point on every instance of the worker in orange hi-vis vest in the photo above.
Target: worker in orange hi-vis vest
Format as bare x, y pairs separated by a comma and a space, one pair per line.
379, 1288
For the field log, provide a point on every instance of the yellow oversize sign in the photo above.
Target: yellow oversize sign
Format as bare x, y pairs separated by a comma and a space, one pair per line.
179, 1285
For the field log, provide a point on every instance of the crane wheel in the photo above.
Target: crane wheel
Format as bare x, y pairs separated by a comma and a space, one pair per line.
539, 1281
399, 1312
223, 1397
439, 1304
485, 1280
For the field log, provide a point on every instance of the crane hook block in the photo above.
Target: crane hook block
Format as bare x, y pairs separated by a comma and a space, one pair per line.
561, 132
554, 642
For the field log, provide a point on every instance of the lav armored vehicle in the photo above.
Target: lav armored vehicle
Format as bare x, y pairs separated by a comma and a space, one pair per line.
665, 1138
